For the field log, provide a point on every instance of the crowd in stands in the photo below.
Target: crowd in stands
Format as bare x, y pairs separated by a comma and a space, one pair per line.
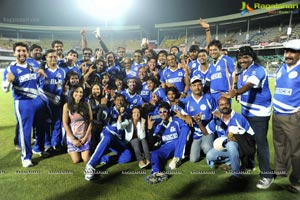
152, 107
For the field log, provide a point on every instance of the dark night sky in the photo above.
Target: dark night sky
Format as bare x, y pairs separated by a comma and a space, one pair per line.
144, 12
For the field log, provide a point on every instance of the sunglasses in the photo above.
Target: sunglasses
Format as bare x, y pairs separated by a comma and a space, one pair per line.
163, 112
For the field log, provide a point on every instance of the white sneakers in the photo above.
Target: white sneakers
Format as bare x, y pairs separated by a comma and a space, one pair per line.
43, 154
264, 183
174, 163
89, 173
27, 163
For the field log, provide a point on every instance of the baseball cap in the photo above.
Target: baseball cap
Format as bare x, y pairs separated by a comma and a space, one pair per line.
195, 79
293, 44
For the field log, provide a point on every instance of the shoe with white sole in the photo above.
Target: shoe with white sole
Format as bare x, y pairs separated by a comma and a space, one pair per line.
43, 154
264, 183
89, 173
174, 163
27, 163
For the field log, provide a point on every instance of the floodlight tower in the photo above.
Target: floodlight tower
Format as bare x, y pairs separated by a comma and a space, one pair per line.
289, 30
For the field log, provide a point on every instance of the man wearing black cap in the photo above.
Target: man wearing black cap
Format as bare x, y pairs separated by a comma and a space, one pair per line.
255, 94
286, 116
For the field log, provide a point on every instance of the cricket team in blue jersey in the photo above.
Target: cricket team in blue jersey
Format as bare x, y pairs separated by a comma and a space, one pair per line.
187, 114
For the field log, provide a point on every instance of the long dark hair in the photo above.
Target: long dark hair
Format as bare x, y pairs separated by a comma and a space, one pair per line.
82, 107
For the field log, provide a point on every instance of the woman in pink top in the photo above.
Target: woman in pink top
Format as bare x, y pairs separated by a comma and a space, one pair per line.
77, 120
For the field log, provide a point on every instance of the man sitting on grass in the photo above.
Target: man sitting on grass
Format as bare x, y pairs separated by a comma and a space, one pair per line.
171, 134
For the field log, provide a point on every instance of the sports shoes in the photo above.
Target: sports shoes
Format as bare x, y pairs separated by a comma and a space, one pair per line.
17, 147
43, 154
57, 148
156, 178
264, 183
294, 188
27, 163
47, 148
89, 173
176, 162
142, 164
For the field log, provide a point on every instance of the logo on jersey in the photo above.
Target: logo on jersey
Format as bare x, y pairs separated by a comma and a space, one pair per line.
293, 74
191, 109
218, 68
19, 71
203, 107
58, 75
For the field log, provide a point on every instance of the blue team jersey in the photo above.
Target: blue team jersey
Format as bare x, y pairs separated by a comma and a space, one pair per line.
145, 92
202, 74
219, 74
237, 124
25, 85
287, 91
132, 100
52, 84
66, 68
205, 105
35, 64
135, 68
111, 121
176, 77
172, 130
113, 70
256, 102
194, 64
160, 93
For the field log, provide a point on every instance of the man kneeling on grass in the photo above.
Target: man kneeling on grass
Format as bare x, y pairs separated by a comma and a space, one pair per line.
171, 134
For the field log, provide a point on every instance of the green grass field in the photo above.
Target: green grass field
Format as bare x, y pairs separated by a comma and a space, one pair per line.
57, 178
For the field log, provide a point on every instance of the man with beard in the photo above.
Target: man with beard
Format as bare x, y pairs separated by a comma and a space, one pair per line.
253, 86
58, 46
131, 96
229, 124
286, 117
30, 109
111, 139
87, 54
35, 56
70, 63
112, 68
175, 76
195, 105
162, 61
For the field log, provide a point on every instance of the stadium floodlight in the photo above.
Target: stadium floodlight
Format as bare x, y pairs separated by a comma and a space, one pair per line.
105, 10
